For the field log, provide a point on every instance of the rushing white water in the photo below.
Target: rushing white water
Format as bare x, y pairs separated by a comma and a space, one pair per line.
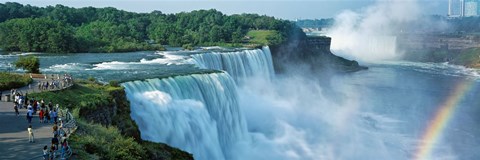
198, 113
241, 64
376, 114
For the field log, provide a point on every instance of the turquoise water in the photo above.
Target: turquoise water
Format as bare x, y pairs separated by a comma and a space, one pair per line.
111, 66
379, 113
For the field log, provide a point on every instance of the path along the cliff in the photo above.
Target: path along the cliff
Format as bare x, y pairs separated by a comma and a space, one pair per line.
13, 129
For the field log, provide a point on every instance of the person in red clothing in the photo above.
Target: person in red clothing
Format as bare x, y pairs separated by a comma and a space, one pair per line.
40, 115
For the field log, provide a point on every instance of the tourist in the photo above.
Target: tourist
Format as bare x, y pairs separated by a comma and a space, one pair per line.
55, 142
32, 100
39, 86
52, 152
61, 124
45, 152
16, 99
15, 107
54, 115
55, 130
35, 106
50, 116
40, 115
29, 116
50, 106
64, 147
42, 104
31, 139
64, 137
45, 115
29, 107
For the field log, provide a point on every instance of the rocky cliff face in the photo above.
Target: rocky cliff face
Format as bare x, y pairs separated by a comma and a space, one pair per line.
117, 112
312, 54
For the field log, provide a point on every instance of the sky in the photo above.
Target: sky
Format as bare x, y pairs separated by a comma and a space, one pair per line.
284, 9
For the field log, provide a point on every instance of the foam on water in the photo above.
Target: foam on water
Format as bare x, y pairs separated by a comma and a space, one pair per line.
68, 67
198, 113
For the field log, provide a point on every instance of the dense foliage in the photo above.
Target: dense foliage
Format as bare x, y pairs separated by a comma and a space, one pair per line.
40, 34
29, 63
468, 57
65, 29
9, 81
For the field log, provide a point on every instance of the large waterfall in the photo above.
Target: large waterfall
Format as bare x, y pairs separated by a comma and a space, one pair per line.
198, 113
241, 64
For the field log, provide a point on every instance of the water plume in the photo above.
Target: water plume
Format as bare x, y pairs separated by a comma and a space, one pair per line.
370, 35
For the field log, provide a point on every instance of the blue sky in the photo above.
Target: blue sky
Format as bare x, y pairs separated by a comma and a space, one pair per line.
285, 9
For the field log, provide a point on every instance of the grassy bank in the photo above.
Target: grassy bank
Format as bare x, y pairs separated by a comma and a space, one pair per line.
469, 58
264, 37
105, 129
9, 81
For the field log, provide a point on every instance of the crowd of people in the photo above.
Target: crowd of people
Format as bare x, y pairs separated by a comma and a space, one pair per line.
47, 113
55, 82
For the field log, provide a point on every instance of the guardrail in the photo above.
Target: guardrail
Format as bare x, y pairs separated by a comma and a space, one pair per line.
7, 97
69, 127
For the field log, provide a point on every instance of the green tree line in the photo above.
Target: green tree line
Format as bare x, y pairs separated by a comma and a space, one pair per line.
62, 29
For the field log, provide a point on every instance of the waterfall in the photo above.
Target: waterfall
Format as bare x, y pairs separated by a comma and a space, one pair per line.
198, 113
240, 64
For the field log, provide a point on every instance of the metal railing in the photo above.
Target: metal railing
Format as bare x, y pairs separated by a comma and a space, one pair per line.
69, 127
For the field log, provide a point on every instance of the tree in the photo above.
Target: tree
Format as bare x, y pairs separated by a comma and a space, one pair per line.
29, 63
62, 29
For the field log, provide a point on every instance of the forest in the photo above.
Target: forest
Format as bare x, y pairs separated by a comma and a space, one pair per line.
62, 29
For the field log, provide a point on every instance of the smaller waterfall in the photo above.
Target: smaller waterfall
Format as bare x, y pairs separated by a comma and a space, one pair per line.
240, 64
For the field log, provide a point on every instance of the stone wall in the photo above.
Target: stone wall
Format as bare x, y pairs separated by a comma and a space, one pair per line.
322, 43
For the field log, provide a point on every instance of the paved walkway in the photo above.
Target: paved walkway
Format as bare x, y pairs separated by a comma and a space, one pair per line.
14, 136
13, 130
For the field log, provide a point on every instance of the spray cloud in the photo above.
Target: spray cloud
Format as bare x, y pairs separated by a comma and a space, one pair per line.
369, 35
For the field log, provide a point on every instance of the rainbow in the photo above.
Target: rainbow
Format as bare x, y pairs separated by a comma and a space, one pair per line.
440, 120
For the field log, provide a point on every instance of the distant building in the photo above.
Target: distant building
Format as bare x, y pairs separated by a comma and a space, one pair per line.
471, 8
455, 8
463, 8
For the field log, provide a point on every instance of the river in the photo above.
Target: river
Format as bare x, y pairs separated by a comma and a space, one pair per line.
393, 110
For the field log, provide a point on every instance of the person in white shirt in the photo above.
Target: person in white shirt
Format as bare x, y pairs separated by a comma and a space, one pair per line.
31, 138
45, 152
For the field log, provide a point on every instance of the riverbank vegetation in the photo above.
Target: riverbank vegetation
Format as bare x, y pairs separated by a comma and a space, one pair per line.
105, 128
62, 29
10, 80
29, 63
467, 57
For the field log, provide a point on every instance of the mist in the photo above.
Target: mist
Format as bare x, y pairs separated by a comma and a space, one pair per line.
369, 35
295, 117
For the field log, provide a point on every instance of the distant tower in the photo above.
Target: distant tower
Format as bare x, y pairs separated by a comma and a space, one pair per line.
456, 8
449, 8
471, 8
